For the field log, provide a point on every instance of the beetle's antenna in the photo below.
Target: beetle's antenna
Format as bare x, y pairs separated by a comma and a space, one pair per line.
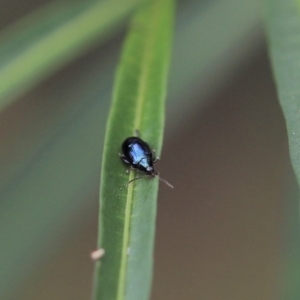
161, 179
136, 178
166, 182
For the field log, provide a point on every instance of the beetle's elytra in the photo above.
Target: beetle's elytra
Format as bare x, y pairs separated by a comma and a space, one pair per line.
138, 155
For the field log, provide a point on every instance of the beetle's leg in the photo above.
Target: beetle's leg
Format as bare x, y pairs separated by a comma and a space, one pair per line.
122, 156
130, 169
156, 160
137, 132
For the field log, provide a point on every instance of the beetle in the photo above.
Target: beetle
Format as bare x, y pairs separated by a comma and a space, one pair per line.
138, 155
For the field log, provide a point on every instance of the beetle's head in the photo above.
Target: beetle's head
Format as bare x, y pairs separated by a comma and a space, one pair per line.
150, 170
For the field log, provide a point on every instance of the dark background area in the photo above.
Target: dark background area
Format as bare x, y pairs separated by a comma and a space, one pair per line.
220, 232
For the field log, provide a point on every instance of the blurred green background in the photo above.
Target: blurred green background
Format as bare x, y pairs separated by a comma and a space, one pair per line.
221, 233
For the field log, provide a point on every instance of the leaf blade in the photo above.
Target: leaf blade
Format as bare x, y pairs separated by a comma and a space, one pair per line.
138, 103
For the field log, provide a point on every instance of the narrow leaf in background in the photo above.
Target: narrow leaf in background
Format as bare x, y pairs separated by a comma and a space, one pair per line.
127, 214
283, 32
30, 54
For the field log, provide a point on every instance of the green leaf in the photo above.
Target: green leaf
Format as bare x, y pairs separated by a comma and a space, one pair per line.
283, 31
283, 21
127, 214
49, 38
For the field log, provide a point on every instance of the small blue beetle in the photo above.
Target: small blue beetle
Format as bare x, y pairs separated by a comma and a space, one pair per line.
137, 154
